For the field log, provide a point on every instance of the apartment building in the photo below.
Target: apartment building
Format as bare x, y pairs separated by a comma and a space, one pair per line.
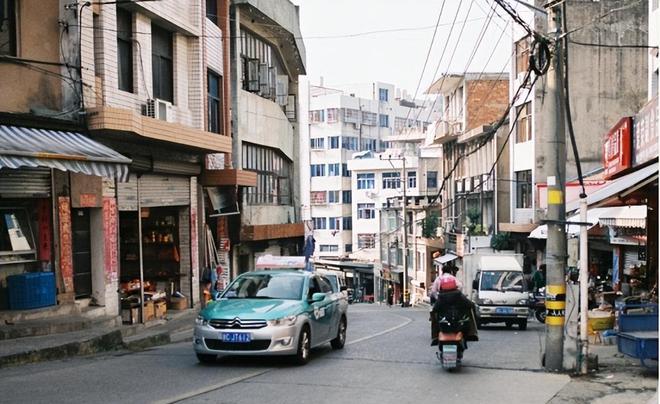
119, 105
267, 56
473, 194
342, 124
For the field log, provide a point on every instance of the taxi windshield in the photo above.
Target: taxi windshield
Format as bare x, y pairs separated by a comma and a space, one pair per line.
265, 286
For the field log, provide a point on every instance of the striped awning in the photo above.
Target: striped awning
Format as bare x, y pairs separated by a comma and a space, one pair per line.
65, 151
632, 216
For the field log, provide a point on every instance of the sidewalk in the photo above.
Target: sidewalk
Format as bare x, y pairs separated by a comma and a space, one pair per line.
619, 379
176, 327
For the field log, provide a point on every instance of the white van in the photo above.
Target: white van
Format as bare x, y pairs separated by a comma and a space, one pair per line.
336, 278
499, 293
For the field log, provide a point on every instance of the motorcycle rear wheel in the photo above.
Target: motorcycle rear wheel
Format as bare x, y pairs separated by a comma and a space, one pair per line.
540, 315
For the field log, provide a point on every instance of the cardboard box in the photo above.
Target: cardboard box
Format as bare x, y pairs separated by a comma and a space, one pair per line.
149, 311
178, 303
160, 308
130, 316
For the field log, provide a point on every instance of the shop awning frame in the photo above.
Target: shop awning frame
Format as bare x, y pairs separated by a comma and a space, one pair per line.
445, 259
62, 150
602, 216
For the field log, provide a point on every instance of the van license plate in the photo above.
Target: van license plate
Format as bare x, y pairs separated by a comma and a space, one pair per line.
504, 310
236, 337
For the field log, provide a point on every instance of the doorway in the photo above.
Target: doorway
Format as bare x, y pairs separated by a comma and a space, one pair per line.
82, 256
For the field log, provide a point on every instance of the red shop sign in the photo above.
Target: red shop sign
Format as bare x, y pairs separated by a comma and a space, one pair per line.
617, 150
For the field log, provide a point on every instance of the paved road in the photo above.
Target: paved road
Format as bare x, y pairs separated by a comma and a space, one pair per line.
387, 359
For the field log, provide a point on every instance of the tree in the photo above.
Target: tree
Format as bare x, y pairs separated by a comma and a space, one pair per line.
430, 225
501, 241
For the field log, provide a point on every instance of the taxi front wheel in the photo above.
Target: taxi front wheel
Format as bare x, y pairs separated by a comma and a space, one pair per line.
304, 347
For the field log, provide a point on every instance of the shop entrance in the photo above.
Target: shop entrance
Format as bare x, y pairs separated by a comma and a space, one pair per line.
82, 257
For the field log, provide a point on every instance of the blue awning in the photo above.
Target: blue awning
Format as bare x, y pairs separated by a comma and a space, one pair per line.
65, 151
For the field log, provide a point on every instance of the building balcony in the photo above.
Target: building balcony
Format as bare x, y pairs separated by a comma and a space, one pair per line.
446, 131
271, 231
108, 120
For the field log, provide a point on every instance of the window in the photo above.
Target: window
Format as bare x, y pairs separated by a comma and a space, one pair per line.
366, 240
334, 170
320, 223
212, 10
318, 197
369, 144
383, 94
329, 248
333, 197
412, 179
366, 210
260, 71
274, 172
215, 103
334, 223
524, 123
391, 180
366, 181
8, 27
348, 248
351, 115
349, 143
334, 142
346, 197
316, 116
522, 55
318, 170
161, 63
344, 170
317, 143
432, 179
333, 115
524, 189
347, 223
384, 121
369, 118
125, 49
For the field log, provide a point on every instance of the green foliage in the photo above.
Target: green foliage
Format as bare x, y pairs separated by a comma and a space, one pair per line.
501, 241
473, 225
430, 225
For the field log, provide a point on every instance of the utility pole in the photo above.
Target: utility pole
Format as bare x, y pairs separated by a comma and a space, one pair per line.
584, 288
556, 251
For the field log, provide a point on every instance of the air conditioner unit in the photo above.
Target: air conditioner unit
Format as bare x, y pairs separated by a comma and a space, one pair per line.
158, 109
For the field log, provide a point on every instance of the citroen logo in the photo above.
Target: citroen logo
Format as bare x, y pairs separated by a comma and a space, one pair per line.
236, 322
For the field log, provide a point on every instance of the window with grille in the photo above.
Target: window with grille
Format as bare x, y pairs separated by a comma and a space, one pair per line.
351, 115
366, 241
366, 210
329, 248
333, 115
412, 179
524, 189
369, 118
392, 180
320, 223
274, 173
366, 181
316, 116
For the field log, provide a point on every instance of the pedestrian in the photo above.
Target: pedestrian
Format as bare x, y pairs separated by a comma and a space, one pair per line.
538, 279
390, 294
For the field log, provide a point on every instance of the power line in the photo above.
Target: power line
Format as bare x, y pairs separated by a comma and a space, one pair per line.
602, 45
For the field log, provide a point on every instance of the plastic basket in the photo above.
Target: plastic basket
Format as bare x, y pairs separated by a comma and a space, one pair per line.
31, 290
646, 320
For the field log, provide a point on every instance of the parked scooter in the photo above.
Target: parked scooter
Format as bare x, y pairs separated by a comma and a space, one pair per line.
451, 342
537, 304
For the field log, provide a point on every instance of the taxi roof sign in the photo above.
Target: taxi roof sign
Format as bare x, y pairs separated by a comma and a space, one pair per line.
280, 262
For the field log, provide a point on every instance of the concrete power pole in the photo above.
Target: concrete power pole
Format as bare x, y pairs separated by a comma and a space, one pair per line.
556, 252
405, 234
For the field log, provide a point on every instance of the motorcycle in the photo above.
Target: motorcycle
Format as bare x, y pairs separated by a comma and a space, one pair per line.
537, 304
451, 342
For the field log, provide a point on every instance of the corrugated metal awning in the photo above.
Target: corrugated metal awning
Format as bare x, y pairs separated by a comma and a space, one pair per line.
445, 258
625, 216
66, 151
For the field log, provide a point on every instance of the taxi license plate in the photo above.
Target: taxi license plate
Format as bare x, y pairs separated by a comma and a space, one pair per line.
236, 337
504, 310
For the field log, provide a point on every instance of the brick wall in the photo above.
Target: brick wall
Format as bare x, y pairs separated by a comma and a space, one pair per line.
486, 101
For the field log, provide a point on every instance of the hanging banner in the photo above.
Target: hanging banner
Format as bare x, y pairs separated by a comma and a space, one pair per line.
110, 238
66, 255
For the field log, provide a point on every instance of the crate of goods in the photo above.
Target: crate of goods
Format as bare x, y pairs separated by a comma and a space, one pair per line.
178, 303
160, 308
31, 290
599, 320
130, 315
149, 311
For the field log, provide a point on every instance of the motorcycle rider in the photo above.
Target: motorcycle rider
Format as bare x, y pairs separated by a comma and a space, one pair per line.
450, 298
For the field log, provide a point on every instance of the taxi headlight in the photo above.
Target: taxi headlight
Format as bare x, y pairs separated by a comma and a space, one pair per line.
201, 321
523, 302
485, 301
285, 321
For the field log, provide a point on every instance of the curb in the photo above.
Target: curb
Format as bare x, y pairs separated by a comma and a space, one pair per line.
102, 343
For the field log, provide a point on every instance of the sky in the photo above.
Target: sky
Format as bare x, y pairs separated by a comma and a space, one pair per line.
342, 47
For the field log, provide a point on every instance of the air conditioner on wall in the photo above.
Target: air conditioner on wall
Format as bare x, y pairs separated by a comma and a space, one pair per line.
159, 109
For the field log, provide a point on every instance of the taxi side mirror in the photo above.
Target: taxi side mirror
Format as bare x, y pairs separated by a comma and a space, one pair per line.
317, 297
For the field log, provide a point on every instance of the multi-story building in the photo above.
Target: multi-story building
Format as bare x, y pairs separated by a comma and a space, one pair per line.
598, 98
473, 195
340, 125
267, 56
125, 211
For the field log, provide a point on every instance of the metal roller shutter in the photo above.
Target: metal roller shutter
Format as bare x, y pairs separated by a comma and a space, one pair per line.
25, 182
631, 257
155, 190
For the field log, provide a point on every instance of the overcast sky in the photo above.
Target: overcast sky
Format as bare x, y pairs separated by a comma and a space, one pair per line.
341, 49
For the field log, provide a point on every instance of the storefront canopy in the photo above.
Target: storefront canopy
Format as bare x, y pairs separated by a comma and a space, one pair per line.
445, 258
603, 216
624, 185
65, 151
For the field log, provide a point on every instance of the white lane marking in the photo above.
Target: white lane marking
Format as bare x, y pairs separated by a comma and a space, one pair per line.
378, 334
212, 387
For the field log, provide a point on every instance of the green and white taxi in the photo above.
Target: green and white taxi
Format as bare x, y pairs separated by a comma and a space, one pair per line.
273, 312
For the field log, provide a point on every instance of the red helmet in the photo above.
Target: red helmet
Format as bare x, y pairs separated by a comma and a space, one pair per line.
448, 283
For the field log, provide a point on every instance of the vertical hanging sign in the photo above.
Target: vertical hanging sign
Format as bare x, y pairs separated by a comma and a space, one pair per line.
66, 255
110, 238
